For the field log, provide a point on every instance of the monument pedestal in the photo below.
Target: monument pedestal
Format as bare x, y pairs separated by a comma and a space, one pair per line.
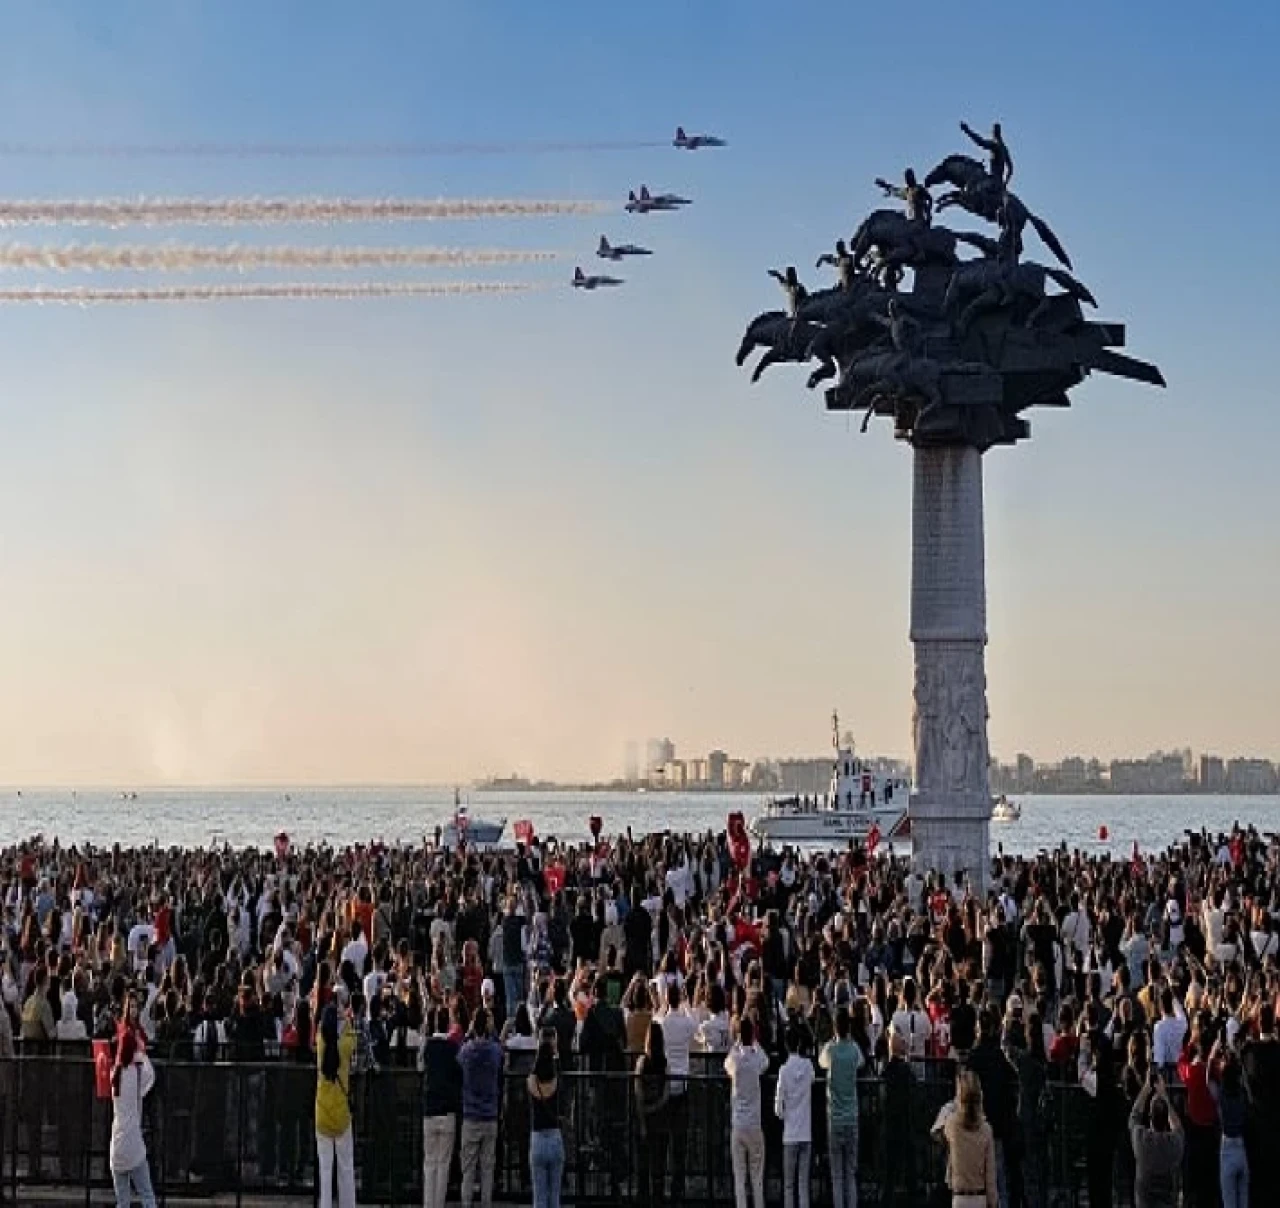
951, 804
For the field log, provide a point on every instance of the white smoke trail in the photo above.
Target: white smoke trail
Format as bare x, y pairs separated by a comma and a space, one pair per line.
189, 257
232, 211
407, 150
219, 293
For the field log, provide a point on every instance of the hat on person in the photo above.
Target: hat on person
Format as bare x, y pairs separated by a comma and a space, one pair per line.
1015, 1003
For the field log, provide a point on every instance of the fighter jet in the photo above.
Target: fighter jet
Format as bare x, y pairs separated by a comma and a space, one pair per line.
647, 203
692, 142
616, 251
582, 281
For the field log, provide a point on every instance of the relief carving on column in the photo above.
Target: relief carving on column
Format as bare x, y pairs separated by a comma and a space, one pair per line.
949, 719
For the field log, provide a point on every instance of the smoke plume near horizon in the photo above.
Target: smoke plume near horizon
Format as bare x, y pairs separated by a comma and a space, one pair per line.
235, 211
94, 296
191, 257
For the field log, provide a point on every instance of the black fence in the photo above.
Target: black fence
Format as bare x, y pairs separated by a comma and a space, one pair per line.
247, 1129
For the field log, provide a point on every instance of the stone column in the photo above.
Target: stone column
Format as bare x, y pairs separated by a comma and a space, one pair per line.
951, 801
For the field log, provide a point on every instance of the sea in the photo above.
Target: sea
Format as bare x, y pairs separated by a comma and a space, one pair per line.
252, 817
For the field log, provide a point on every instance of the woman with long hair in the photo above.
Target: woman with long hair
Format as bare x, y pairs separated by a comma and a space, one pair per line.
637, 1011
334, 1144
1228, 1089
546, 1143
971, 1150
131, 1081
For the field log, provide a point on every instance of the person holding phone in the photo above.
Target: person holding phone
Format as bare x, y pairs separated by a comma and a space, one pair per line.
1156, 1135
546, 1142
335, 1046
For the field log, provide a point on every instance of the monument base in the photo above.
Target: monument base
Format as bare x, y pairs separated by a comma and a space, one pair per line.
952, 835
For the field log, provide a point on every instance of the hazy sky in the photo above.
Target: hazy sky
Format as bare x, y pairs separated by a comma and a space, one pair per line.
427, 539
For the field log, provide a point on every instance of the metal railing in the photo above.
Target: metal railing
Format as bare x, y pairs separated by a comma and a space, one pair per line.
247, 1129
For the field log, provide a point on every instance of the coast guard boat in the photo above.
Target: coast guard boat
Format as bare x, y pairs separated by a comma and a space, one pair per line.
475, 832
859, 803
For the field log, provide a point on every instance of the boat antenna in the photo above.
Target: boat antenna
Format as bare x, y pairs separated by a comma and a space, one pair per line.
835, 729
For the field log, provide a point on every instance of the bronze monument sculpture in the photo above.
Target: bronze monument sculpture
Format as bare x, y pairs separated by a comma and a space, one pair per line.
955, 361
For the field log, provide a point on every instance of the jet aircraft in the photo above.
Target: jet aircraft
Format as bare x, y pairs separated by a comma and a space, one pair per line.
692, 142
647, 203
582, 281
616, 251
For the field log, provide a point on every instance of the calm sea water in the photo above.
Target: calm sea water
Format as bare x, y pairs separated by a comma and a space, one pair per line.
189, 817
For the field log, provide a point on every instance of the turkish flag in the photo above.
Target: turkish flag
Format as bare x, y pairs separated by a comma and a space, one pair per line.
102, 1068
873, 838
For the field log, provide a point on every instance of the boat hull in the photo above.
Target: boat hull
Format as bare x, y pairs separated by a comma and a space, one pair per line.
477, 834
831, 826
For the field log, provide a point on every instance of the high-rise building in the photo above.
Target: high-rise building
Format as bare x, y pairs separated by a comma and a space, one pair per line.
631, 764
658, 753
1251, 776
1026, 775
735, 774
717, 761
1213, 774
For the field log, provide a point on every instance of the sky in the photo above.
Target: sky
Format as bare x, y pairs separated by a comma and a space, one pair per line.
429, 539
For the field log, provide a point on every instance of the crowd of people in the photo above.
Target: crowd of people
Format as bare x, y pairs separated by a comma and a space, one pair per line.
1149, 982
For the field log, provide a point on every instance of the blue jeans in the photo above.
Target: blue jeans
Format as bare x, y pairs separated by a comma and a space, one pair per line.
546, 1164
1002, 1179
795, 1174
128, 1181
1233, 1172
842, 1153
513, 984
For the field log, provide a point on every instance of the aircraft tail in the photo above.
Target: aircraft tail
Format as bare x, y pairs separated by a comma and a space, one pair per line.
603, 249
577, 274
644, 193
631, 194
681, 137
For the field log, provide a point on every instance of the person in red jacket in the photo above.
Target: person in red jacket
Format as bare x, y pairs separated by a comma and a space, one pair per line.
1202, 1118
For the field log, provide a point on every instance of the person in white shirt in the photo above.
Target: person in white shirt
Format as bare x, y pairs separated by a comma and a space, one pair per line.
1075, 928
911, 1023
744, 1065
713, 1034
357, 949
1173, 916
792, 1102
1169, 1033
679, 1029
131, 1082
677, 880
1265, 942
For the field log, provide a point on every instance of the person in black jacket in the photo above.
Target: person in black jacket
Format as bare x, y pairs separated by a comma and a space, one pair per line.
513, 959
602, 1049
441, 1106
639, 932
1000, 1092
